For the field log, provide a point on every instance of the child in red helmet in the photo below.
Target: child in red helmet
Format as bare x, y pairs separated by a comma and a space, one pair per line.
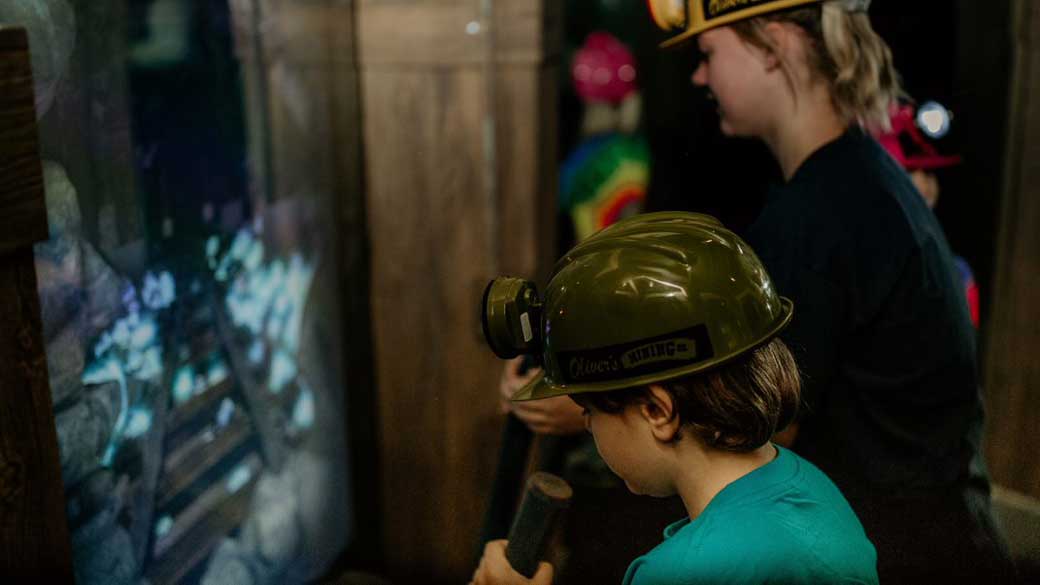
906, 142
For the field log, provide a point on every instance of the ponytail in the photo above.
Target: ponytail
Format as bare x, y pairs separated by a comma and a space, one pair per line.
846, 52
863, 79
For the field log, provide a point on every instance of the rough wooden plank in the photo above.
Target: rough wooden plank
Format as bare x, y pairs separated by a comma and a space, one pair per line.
87, 130
1013, 340
206, 402
438, 234
308, 31
34, 536
527, 155
197, 511
197, 457
353, 262
23, 214
429, 252
439, 34
203, 537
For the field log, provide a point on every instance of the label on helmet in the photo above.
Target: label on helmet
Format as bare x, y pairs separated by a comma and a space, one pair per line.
638, 358
717, 8
713, 8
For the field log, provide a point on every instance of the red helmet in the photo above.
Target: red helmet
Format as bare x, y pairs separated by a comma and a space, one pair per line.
906, 142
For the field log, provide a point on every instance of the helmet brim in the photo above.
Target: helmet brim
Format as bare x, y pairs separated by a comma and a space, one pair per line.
702, 24
541, 388
931, 162
536, 389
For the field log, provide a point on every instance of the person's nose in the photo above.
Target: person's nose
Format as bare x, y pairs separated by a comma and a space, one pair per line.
700, 75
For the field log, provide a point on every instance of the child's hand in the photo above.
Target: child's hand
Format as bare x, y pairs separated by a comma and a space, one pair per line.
551, 416
494, 569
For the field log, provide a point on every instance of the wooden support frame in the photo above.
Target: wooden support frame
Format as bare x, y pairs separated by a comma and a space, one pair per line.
34, 536
459, 104
1013, 338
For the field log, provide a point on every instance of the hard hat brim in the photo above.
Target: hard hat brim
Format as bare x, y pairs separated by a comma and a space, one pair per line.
540, 387
536, 389
701, 24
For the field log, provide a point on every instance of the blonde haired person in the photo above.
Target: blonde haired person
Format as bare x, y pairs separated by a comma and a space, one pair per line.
882, 335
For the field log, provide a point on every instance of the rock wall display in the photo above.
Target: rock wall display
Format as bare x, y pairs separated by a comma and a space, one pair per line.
195, 370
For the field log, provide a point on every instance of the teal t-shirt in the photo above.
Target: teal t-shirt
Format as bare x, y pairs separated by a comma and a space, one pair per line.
783, 523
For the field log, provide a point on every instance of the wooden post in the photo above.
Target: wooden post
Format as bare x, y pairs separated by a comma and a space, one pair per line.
88, 130
459, 123
34, 536
1012, 370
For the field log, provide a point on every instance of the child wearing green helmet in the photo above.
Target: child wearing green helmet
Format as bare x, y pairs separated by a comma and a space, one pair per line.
663, 328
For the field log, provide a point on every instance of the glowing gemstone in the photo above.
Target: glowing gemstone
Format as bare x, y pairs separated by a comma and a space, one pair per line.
303, 411
283, 370
239, 478
138, 423
183, 384
225, 412
212, 246
163, 526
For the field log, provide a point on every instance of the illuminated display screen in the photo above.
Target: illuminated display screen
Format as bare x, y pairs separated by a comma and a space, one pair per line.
190, 316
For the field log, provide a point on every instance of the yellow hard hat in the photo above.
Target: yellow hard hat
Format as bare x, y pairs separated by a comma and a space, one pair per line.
692, 17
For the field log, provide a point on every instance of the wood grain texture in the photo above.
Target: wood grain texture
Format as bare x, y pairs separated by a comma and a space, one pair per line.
87, 130
23, 213
435, 33
1013, 339
438, 235
430, 252
300, 31
526, 117
34, 536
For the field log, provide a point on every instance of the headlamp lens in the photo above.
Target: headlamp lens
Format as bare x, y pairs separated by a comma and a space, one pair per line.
511, 317
934, 119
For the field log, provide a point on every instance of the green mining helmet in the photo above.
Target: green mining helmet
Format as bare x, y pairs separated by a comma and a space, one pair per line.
650, 298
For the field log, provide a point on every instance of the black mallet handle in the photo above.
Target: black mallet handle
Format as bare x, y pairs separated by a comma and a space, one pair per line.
544, 497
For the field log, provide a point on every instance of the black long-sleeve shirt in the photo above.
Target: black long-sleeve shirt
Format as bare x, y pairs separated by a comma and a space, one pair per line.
883, 337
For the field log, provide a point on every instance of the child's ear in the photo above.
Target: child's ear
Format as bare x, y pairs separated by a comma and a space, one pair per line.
660, 413
779, 44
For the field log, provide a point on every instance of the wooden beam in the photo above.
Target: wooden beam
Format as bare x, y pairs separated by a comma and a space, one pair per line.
23, 211
1013, 339
34, 536
460, 134
88, 130
439, 34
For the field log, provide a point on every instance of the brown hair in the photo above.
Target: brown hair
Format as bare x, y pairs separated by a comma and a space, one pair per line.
846, 52
737, 407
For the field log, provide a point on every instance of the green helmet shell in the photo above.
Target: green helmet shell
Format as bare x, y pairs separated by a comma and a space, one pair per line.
650, 298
